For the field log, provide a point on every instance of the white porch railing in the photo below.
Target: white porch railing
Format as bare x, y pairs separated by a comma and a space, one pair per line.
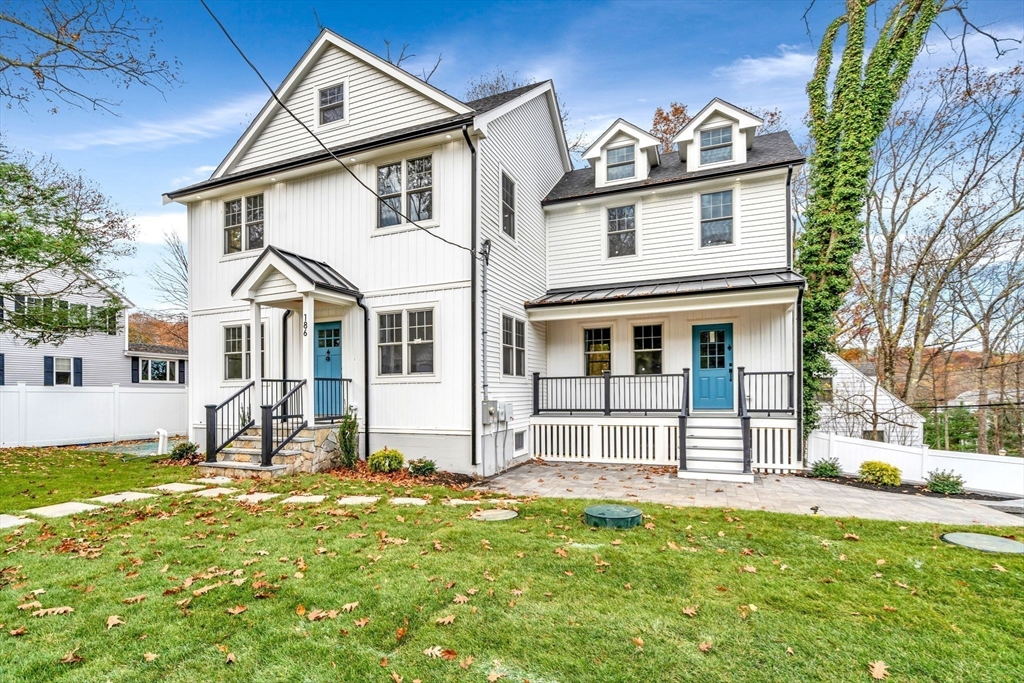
774, 445
634, 440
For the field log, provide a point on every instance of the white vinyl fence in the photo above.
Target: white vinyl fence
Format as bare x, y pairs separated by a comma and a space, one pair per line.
990, 473
62, 416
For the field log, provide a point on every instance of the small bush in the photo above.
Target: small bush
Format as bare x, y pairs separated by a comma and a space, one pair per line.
422, 468
186, 450
945, 482
877, 472
386, 460
826, 467
348, 440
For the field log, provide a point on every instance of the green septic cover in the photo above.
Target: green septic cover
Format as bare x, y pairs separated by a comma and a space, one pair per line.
613, 516
986, 542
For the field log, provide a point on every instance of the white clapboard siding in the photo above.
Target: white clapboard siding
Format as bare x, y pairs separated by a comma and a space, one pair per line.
376, 103
668, 235
524, 144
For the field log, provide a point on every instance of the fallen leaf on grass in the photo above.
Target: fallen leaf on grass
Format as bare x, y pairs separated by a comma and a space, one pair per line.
230, 659
399, 633
460, 599
446, 621
639, 642
999, 568
50, 611
348, 607
237, 609
150, 657
300, 610
361, 622
71, 658
395, 677
466, 663
851, 537
20, 631
433, 652
449, 655
887, 608
113, 621
134, 600
494, 676
705, 646
749, 569
878, 670
35, 604
690, 611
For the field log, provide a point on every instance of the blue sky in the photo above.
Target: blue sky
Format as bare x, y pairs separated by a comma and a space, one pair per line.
607, 59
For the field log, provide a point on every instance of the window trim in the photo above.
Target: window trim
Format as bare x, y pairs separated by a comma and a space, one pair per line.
608, 166
737, 215
70, 371
637, 213
730, 144
641, 322
405, 225
246, 351
515, 349
611, 345
502, 174
146, 361
515, 435
346, 99
407, 377
246, 250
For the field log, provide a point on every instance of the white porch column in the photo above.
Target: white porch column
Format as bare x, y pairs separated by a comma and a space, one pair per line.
255, 369
306, 373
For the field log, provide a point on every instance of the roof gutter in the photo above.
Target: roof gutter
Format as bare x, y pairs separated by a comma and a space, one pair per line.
789, 217
472, 297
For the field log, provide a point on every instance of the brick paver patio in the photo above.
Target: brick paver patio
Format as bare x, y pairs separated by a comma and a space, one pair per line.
773, 493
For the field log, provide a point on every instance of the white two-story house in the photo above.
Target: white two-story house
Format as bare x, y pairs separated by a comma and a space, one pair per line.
445, 275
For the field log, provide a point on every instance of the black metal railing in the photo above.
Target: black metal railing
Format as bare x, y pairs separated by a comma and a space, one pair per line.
768, 392
228, 420
282, 421
275, 389
609, 394
684, 415
744, 416
330, 398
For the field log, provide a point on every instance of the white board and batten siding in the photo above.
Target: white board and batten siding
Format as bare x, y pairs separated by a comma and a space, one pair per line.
375, 104
668, 229
522, 144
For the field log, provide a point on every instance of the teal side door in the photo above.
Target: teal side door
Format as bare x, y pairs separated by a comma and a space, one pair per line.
327, 369
712, 367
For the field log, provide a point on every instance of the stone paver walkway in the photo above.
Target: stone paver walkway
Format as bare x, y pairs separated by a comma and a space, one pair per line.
773, 493
123, 497
62, 509
13, 521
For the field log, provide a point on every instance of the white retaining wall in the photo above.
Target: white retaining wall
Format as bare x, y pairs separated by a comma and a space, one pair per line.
61, 416
990, 473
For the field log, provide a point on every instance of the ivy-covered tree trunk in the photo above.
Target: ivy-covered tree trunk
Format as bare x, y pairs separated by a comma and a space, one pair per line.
844, 125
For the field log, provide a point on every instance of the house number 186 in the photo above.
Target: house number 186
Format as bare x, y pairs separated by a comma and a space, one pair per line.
305, 325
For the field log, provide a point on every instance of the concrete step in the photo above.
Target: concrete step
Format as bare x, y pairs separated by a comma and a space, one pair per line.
712, 475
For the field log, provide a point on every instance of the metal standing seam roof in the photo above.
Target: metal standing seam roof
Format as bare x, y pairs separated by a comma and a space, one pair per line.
663, 288
317, 273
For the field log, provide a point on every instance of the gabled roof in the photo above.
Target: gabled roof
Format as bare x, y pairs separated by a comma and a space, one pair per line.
316, 274
719, 106
622, 126
328, 38
769, 151
136, 349
837, 361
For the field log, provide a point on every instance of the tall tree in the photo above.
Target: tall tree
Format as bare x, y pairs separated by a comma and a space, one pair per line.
58, 236
170, 275
60, 49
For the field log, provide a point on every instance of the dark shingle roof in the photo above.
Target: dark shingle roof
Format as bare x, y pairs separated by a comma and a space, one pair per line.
485, 104
163, 349
774, 149
317, 273
674, 287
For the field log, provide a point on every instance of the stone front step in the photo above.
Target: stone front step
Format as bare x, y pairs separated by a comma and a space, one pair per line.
242, 470
313, 449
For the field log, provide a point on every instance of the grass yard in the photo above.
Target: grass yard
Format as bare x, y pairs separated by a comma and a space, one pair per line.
698, 595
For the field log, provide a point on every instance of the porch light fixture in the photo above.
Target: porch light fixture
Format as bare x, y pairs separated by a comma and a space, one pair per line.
273, 180
447, 137
352, 158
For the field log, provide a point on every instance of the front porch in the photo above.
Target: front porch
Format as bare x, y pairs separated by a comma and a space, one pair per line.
277, 425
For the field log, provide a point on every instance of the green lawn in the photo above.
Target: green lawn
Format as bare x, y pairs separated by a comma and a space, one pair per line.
548, 598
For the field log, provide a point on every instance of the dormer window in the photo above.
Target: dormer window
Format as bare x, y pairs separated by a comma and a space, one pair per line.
621, 163
332, 104
716, 145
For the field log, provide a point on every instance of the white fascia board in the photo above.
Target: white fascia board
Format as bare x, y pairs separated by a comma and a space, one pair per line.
670, 304
546, 88
621, 126
249, 288
716, 106
325, 39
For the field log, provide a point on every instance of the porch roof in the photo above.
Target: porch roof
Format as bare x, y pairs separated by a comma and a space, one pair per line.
316, 275
728, 282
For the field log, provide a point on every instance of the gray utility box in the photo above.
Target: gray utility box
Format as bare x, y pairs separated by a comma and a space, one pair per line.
488, 412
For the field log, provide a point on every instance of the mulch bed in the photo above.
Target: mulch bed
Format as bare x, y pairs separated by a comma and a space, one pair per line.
362, 472
909, 489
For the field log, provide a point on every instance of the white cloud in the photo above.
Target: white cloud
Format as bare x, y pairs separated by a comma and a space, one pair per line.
789, 64
197, 174
153, 227
156, 134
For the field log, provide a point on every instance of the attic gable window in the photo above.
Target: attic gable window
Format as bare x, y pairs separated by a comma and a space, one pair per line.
716, 145
332, 104
621, 163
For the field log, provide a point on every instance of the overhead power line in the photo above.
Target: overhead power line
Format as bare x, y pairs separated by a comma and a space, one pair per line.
327, 149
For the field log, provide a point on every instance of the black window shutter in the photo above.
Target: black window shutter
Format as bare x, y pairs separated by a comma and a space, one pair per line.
2, 312
47, 371
19, 303
181, 372
135, 369
77, 366
1, 369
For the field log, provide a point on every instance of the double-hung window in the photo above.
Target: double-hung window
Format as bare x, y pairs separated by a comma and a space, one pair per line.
62, 371
158, 370
409, 184
513, 347
405, 342
597, 350
621, 163
647, 349
508, 205
243, 224
622, 231
238, 351
716, 218
716, 145
331, 103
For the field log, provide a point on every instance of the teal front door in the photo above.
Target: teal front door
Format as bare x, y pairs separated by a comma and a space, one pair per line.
712, 367
327, 393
